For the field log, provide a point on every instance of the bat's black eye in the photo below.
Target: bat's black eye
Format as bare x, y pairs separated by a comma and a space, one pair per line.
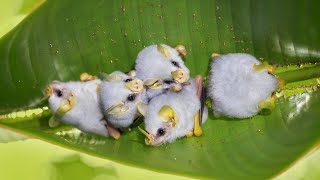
161, 132
59, 93
131, 97
175, 63
128, 80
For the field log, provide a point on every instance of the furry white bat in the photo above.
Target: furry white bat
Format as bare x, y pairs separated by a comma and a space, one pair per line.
161, 68
240, 85
77, 103
119, 95
173, 115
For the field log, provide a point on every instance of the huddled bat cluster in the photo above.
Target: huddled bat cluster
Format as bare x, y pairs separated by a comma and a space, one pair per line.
161, 90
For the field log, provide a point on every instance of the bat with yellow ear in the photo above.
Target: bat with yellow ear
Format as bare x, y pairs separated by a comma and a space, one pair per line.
119, 95
161, 67
77, 103
173, 115
240, 85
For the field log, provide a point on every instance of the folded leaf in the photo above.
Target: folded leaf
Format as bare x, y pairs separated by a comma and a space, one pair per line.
61, 39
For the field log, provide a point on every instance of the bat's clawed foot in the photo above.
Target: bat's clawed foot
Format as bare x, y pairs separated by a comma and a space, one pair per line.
197, 129
190, 134
269, 103
281, 82
264, 66
132, 73
214, 55
87, 77
53, 122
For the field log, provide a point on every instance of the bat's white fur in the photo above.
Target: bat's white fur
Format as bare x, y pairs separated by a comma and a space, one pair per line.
236, 88
185, 104
151, 64
85, 114
114, 92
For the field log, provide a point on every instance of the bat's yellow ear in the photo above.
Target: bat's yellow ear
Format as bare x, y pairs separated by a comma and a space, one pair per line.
48, 93
142, 108
167, 114
66, 105
164, 51
134, 85
180, 76
111, 77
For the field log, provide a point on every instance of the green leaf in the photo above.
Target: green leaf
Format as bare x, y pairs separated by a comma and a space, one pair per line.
13, 11
62, 39
306, 168
9, 136
68, 166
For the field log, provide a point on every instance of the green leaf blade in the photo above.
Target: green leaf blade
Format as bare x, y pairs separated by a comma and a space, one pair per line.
62, 39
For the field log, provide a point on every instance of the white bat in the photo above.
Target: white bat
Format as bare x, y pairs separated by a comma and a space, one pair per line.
173, 115
77, 104
240, 85
120, 93
161, 68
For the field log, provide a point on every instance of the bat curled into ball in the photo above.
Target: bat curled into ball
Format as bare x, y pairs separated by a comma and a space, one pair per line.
120, 93
161, 68
77, 104
240, 85
174, 114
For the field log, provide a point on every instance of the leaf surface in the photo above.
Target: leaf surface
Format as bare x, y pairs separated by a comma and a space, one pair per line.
62, 39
